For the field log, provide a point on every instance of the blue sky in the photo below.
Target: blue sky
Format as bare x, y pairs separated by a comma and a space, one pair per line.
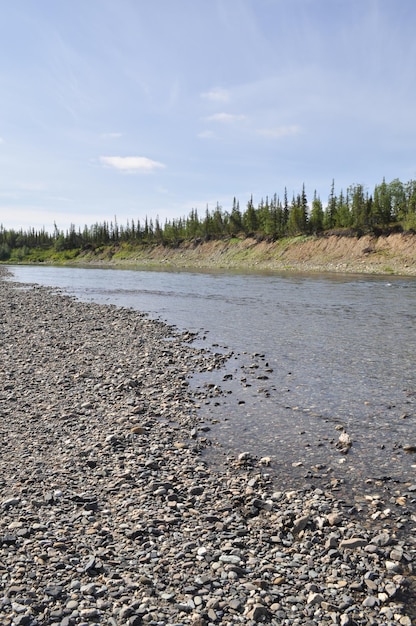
155, 107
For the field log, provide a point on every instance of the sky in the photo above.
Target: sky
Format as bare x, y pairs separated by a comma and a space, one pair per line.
135, 108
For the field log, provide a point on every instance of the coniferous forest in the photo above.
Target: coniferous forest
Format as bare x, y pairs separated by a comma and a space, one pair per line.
391, 207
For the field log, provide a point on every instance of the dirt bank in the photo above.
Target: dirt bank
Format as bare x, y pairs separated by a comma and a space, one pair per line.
391, 254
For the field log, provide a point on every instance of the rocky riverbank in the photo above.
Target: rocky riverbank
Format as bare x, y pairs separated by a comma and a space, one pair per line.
110, 515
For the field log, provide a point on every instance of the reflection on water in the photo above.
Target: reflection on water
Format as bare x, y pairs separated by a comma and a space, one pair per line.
311, 354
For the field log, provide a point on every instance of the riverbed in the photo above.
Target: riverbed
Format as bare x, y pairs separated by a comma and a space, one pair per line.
310, 356
114, 512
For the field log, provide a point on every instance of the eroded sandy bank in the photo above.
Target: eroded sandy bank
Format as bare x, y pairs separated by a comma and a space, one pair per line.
392, 254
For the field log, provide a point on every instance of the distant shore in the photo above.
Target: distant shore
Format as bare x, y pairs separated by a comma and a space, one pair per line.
393, 254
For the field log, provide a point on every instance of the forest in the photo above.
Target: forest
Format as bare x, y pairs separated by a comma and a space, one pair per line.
391, 207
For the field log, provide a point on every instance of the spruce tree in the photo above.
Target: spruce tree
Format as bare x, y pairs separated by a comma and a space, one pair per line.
317, 215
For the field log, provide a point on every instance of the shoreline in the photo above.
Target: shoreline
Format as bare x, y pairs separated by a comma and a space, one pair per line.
387, 255
394, 254
111, 515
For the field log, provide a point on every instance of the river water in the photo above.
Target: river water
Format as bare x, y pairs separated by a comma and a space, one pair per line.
309, 355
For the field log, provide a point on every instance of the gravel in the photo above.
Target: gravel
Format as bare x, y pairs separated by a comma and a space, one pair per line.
111, 515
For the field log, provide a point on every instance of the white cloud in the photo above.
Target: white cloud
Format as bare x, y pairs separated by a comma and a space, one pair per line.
131, 164
1, 140
216, 95
280, 131
225, 118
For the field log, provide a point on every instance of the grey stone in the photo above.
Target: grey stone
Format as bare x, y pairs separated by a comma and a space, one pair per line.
10, 502
300, 524
258, 612
352, 543
55, 591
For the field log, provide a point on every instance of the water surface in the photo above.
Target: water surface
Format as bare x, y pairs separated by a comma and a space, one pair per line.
310, 354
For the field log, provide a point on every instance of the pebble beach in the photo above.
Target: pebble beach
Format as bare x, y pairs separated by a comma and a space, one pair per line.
112, 515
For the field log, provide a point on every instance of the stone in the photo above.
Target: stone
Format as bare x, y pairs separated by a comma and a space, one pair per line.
90, 564
258, 612
352, 543
382, 539
212, 615
391, 566
138, 430
235, 605
334, 519
390, 589
300, 523
314, 599
230, 558
344, 443
371, 584
55, 591
10, 502
396, 554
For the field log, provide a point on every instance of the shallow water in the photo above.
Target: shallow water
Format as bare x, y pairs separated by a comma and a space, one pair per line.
310, 354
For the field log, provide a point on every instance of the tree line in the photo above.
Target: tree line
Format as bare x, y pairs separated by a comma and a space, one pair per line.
390, 206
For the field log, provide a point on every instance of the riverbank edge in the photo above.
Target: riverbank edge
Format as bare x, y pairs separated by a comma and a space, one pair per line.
119, 497
391, 254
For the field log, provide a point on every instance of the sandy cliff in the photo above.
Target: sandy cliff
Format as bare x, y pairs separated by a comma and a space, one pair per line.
391, 254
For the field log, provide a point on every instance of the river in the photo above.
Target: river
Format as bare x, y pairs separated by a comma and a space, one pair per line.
309, 355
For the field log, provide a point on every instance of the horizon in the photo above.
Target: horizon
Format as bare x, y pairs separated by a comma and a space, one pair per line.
115, 221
